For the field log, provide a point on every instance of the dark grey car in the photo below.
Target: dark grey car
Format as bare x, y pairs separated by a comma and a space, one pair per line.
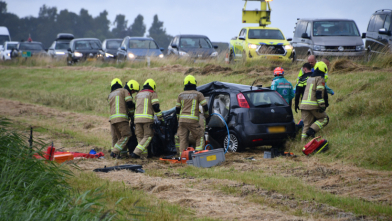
192, 46
379, 33
327, 37
138, 49
83, 49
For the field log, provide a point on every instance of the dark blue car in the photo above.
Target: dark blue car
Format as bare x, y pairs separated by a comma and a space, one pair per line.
138, 49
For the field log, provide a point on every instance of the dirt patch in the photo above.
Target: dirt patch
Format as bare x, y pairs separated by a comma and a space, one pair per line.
208, 69
172, 68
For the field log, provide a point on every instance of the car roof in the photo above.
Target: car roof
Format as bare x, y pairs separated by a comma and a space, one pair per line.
77, 39
140, 38
383, 11
189, 35
114, 39
261, 27
31, 42
11, 42
324, 19
226, 87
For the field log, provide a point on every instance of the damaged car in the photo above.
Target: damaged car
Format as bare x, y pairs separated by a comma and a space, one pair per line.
255, 116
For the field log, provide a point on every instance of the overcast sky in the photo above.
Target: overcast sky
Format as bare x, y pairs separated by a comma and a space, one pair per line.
220, 20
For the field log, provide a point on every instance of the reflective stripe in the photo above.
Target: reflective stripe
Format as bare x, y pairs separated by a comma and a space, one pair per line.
145, 106
319, 125
178, 104
283, 86
304, 135
200, 147
117, 104
203, 102
320, 87
118, 115
127, 98
310, 93
193, 107
122, 144
322, 147
189, 117
154, 100
309, 102
143, 147
159, 114
320, 101
144, 116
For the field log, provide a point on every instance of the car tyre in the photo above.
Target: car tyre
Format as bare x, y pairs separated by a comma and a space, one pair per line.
235, 144
231, 57
294, 58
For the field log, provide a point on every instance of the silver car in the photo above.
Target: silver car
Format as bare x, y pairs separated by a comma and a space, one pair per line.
327, 37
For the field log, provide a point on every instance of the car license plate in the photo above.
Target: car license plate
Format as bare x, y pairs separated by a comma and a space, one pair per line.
280, 129
273, 57
90, 59
26, 54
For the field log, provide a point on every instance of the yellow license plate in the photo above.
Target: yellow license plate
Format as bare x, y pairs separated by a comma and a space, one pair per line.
273, 57
276, 129
91, 59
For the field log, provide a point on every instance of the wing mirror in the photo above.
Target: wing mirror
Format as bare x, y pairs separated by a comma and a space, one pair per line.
289, 39
174, 46
161, 49
123, 48
241, 37
69, 50
215, 46
364, 35
305, 35
383, 31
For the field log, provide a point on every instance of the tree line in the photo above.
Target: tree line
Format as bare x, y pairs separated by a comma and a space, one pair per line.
50, 22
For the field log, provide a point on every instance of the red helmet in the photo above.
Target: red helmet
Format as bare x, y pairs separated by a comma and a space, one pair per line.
278, 71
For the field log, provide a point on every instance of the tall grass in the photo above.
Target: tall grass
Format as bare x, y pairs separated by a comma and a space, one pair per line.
32, 189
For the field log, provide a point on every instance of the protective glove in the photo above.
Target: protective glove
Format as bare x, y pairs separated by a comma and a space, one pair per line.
322, 109
161, 118
296, 108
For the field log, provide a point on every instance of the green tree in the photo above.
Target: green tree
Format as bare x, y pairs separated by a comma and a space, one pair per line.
121, 29
158, 33
138, 28
3, 7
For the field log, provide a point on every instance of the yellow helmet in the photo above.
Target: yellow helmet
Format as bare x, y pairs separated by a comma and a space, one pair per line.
151, 83
321, 66
116, 80
133, 85
190, 79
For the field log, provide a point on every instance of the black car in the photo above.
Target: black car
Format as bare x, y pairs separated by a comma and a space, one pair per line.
109, 49
255, 116
83, 49
29, 49
59, 47
192, 46
379, 33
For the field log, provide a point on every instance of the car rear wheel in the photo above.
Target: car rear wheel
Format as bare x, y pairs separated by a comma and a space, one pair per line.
234, 145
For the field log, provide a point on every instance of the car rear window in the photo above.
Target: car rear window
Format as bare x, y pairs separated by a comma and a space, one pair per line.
30, 46
264, 99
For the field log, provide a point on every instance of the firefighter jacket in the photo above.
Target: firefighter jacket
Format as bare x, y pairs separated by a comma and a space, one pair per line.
301, 73
300, 89
144, 112
283, 87
313, 97
118, 100
189, 101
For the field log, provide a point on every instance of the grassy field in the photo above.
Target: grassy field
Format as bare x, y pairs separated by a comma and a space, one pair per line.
359, 130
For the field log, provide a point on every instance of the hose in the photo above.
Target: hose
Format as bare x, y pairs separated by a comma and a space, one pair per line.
228, 133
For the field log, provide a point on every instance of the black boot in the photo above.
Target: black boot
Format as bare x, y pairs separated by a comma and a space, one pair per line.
134, 156
311, 133
115, 156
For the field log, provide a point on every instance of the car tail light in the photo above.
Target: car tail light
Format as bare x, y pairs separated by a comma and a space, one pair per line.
242, 101
255, 140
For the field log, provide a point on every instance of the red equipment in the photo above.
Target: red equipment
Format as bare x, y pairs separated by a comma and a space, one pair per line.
315, 146
61, 157
185, 155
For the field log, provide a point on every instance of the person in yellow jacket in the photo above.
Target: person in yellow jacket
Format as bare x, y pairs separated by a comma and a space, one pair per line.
187, 108
146, 104
313, 105
119, 101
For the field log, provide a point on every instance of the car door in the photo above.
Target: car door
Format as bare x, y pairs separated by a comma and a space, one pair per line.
219, 104
299, 42
385, 38
378, 24
238, 47
51, 51
121, 54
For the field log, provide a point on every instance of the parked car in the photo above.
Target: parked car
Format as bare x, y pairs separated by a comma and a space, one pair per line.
138, 49
4, 35
327, 37
255, 115
8, 47
83, 49
110, 48
59, 47
260, 43
192, 46
379, 33
28, 49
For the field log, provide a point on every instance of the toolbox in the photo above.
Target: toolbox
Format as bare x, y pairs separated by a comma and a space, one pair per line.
207, 159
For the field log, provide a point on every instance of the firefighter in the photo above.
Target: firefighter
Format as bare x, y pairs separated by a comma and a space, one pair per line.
301, 85
119, 100
133, 87
146, 104
282, 86
187, 108
313, 105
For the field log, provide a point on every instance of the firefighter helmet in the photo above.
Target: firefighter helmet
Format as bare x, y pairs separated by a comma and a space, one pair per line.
116, 80
150, 82
278, 71
321, 66
190, 80
133, 85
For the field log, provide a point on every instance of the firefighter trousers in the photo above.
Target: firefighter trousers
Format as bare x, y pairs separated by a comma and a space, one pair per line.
313, 119
144, 134
120, 136
183, 135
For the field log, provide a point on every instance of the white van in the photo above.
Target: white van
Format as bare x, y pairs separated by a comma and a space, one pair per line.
4, 36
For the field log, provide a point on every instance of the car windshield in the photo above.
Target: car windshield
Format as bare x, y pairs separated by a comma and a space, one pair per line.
30, 46
195, 42
87, 45
4, 38
265, 99
335, 28
11, 46
113, 44
265, 34
142, 44
62, 45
